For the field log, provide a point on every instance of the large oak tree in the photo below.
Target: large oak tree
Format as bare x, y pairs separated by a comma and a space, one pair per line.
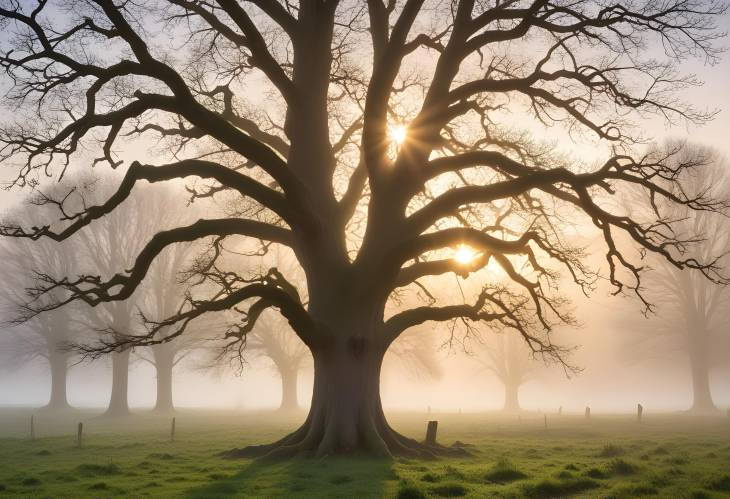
372, 138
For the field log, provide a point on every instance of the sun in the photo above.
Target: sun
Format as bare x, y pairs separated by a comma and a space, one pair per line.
398, 134
464, 254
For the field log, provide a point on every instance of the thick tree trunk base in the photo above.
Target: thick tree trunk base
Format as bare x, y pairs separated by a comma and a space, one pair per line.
311, 440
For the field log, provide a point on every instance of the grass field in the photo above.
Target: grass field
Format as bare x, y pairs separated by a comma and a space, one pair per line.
606, 456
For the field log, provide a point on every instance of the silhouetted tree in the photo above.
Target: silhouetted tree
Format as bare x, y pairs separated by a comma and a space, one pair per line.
298, 108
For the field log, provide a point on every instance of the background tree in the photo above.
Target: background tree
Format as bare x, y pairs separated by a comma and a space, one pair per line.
373, 143
164, 295
508, 359
692, 313
45, 336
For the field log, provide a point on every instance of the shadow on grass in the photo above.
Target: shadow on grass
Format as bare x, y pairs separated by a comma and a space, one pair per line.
332, 477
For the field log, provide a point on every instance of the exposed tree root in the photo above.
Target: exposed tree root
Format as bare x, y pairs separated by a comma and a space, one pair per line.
317, 441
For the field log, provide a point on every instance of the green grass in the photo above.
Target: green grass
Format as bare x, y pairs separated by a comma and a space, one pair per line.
604, 457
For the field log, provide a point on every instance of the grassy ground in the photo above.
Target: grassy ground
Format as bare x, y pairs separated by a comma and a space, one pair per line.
665, 456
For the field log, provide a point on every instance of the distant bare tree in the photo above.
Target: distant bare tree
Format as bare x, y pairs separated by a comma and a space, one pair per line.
272, 338
505, 355
46, 336
692, 313
164, 294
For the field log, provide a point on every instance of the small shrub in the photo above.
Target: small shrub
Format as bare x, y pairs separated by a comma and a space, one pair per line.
99, 486
621, 467
430, 477
2, 487
611, 450
410, 492
571, 467
449, 490
30, 482
699, 494
660, 451
504, 471
98, 469
44, 452
564, 475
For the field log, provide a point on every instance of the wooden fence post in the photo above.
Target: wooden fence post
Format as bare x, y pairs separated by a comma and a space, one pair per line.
639, 412
588, 412
560, 410
431, 432
545, 416
80, 434
172, 431
32, 427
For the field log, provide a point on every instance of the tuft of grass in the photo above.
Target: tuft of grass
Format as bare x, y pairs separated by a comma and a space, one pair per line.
611, 450
218, 476
340, 479
30, 482
44, 452
504, 471
550, 487
571, 467
720, 484
430, 477
596, 473
98, 469
161, 455
660, 451
622, 467
99, 486
699, 494
454, 472
2, 487
631, 491
452, 489
410, 492
678, 460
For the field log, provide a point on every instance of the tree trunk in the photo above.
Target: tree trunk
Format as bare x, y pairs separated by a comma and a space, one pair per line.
511, 396
118, 403
289, 379
59, 373
346, 415
164, 364
699, 365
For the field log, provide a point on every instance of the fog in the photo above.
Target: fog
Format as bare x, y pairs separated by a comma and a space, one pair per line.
608, 382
